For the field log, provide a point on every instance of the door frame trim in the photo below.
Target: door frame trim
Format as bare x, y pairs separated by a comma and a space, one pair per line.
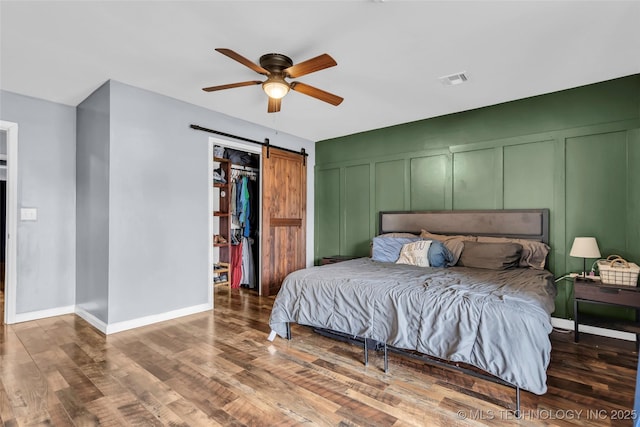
210, 284
11, 237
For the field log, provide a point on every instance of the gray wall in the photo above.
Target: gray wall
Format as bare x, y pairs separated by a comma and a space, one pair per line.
159, 190
142, 201
46, 181
92, 204
158, 241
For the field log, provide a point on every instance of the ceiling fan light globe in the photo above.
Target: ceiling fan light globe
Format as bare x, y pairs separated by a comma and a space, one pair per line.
275, 89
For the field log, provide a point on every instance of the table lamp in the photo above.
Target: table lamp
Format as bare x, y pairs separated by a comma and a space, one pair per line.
585, 247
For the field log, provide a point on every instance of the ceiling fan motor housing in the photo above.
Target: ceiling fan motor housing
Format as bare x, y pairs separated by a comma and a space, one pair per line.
275, 62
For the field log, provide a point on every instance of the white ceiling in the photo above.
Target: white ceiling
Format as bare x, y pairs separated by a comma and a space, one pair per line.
390, 54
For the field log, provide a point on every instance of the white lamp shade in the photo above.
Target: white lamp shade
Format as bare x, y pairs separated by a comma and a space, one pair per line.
275, 89
585, 247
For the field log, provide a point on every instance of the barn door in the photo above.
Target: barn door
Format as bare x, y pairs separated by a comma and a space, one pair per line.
284, 217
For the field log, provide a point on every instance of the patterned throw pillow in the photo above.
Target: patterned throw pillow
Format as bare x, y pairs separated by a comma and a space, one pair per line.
416, 253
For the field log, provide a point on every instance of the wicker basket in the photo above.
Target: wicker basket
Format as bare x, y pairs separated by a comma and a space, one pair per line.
615, 270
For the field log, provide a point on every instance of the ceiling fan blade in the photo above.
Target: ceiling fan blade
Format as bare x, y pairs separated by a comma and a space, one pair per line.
231, 85
244, 61
310, 66
274, 105
316, 93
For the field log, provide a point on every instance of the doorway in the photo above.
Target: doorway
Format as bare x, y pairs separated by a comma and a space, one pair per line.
279, 246
3, 217
234, 224
9, 132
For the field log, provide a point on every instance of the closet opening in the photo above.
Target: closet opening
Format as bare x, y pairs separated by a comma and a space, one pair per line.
236, 217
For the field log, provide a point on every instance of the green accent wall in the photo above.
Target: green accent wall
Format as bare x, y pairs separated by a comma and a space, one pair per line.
575, 152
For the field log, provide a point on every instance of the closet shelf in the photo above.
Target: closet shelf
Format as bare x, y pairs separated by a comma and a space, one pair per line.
222, 270
222, 267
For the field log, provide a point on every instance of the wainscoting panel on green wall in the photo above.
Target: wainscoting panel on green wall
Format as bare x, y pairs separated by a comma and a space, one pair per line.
356, 218
561, 151
429, 183
389, 186
529, 175
327, 197
530, 180
597, 195
475, 174
597, 192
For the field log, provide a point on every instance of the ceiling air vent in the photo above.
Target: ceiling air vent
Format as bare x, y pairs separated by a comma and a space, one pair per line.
454, 79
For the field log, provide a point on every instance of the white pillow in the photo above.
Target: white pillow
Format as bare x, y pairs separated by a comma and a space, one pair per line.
416, 253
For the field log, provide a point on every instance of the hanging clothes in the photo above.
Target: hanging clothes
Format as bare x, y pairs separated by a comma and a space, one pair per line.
244, 200
236, 265
239, 207
248, 267
232, 203
246, 225
252, 220
244, 218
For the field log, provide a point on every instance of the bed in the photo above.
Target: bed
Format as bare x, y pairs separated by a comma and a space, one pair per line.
494, 319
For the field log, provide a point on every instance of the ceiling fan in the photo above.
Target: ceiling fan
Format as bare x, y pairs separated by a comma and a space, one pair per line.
277, 68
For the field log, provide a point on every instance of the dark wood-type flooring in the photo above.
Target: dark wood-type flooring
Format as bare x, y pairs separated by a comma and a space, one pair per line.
218, 369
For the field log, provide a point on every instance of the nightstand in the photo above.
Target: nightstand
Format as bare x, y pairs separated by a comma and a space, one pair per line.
336, 258
613, 295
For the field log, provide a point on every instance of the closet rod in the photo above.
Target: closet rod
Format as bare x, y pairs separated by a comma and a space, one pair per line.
302, 151
244, 168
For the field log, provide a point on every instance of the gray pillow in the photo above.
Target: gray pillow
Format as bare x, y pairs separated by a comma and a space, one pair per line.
491, 256
387, 249
534, 254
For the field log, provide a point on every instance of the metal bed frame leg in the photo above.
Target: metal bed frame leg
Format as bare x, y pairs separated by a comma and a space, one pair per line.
288, 330
366, 353
386, 359
518, 414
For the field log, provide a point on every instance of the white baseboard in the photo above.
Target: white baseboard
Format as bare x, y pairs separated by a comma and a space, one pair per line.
92, 320
155, 318
610, 333
115, 327
42, 314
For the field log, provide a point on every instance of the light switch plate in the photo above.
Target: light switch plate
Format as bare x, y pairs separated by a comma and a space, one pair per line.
28, 214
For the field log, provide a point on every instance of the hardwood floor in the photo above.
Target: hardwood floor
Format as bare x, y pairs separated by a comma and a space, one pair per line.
219, 369
2, 290
1, 308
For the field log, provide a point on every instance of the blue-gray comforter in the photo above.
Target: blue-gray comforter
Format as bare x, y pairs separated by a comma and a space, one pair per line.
498, 321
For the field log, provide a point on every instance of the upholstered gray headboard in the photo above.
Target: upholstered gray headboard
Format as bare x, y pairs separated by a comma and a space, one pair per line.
530, 224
